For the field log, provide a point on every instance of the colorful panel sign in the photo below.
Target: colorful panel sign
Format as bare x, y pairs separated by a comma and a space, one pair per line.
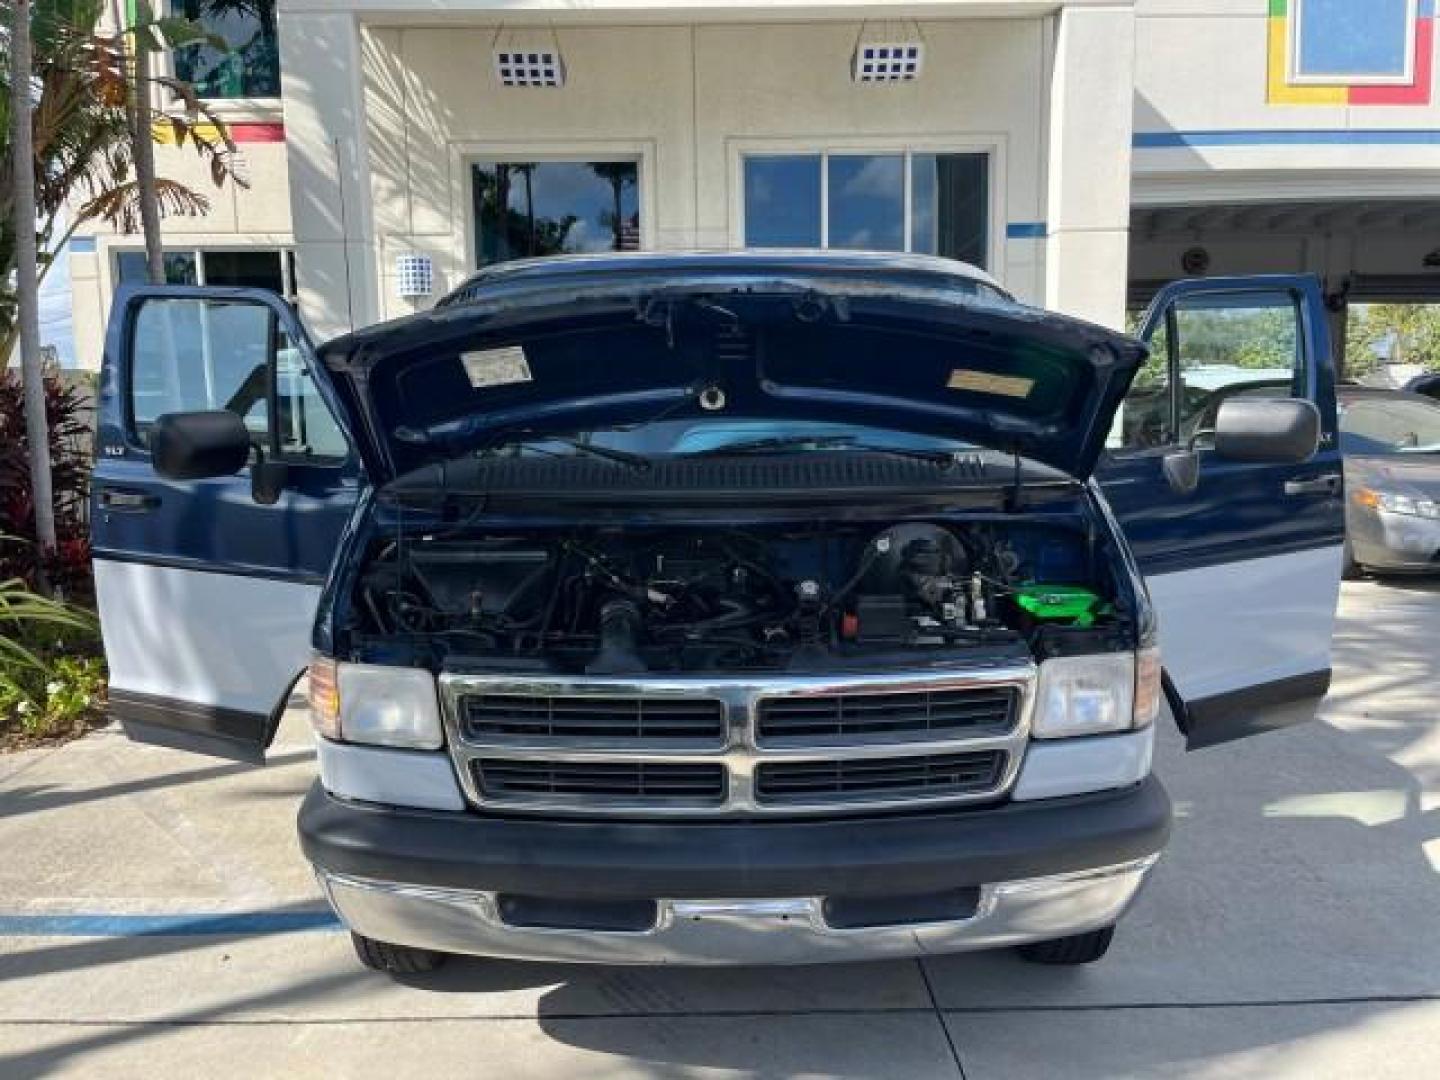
1351, 52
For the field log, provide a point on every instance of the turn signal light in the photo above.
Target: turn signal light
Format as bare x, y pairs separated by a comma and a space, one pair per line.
325, 697
1148, 690
1366, 498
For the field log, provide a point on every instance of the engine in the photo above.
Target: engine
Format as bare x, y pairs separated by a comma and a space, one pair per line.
631, 601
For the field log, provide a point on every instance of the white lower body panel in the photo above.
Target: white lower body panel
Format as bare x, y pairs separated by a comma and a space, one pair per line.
1247, 623
206, 639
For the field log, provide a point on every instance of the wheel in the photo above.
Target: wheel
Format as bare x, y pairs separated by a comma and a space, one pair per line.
395, 959
1077, 949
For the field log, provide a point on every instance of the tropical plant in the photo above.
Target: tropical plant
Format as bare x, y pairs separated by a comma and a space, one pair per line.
27, 282
84, 156
1401, 333
67, 568
52, 679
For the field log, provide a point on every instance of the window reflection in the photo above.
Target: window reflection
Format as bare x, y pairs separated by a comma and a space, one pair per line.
132, 266
249, 67
525, 209
863, 203
782, 201
867, 202
950, 200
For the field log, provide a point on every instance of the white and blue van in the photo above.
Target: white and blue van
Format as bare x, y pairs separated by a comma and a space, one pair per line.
720, 608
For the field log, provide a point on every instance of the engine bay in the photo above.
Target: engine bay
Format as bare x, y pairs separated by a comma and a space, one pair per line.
630, 600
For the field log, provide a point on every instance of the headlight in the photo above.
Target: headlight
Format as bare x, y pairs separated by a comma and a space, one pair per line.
1396, 503
376, 704
1091, 695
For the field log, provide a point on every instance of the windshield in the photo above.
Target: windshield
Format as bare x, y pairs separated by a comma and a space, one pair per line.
1390, 424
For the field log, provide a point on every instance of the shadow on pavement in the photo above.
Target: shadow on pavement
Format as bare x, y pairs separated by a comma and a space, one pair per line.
34, 798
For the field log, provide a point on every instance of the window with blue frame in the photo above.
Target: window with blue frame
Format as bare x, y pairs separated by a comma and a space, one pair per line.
249, 64
1353, 41
932, 203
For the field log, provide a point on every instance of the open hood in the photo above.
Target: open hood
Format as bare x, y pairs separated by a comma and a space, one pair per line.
573, 344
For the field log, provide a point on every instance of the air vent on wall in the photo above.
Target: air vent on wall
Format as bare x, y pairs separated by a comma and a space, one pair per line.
529, 67
888, 61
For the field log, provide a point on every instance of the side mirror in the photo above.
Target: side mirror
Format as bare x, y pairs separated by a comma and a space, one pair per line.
199, 445
267, 480
1279, 431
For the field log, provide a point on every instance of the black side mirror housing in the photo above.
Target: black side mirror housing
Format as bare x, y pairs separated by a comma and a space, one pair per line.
267, 480
1279, 431
199, 445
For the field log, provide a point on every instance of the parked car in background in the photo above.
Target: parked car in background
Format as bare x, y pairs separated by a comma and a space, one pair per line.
1427, 384
1390, 440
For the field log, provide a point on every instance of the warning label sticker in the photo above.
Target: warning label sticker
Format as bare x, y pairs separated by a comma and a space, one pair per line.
988, 382
496, 367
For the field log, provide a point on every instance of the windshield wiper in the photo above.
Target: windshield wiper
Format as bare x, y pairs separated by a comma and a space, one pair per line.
942, 459
633, 462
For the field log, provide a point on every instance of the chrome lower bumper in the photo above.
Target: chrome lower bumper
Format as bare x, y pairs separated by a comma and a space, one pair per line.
735, 931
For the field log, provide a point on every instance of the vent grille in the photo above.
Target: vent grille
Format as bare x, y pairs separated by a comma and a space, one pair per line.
900, 716
529, 67
594, 720
648, 782
888, 61
864, 779
698, 476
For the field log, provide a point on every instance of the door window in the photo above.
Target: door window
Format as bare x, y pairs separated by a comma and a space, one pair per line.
198, 354
934, 204
529, 208
1207, 348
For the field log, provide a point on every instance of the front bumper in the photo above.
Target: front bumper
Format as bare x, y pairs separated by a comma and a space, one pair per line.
743, 931
735, 892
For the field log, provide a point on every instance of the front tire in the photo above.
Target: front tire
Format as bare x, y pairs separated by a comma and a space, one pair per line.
395, 959
1076, 949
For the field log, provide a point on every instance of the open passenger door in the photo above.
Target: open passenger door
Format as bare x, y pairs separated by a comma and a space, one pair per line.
1242, 557
206, 593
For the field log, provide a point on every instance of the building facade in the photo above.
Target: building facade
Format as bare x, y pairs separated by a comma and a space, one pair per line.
1082, 151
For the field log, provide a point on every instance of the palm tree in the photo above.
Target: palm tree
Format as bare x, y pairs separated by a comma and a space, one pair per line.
70, 106
131, 48
83, 158
27, 285
619, 175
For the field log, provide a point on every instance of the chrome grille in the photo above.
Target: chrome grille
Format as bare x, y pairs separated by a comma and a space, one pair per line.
867, 779
932, 714
777, 744
541, 717
661, 783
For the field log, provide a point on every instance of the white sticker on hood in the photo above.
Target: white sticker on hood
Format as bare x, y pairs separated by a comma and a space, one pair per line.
987, 382
496, 367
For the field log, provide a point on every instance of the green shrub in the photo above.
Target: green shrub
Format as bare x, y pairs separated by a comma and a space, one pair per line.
52, 677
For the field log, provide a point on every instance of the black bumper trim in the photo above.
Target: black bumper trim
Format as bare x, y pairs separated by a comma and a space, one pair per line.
678, 860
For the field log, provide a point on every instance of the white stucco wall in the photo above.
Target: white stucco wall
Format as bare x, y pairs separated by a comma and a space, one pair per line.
689, 102
256, 215
1202, 67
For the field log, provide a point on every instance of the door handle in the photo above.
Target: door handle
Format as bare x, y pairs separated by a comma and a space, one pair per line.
115, 499
1329, 484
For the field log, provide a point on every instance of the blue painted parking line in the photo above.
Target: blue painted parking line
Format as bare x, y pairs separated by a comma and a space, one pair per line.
230, 924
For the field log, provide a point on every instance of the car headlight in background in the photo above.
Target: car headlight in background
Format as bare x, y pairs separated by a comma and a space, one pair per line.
1396, 503
375, 704
1093, 695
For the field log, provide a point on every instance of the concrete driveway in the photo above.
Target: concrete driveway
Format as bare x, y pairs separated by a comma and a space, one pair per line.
158, 920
